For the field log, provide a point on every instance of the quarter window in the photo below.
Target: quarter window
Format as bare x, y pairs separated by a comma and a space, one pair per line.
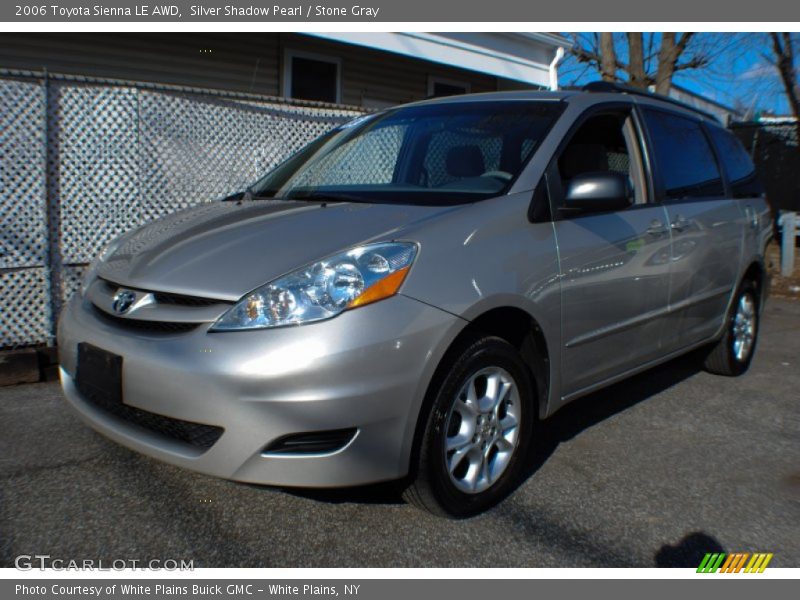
684, 157
738, 166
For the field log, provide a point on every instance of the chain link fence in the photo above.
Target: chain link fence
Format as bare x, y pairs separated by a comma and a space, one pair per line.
83, 160
776, 153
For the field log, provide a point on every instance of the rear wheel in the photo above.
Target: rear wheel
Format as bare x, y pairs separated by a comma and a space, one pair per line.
732, 354
478, 431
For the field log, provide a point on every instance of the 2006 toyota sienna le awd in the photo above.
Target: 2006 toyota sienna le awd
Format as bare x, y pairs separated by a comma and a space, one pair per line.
412, 294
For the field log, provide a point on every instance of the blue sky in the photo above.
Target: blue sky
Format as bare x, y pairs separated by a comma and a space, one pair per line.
738, 71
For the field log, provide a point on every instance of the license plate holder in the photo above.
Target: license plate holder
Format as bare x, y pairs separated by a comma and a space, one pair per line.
99, 374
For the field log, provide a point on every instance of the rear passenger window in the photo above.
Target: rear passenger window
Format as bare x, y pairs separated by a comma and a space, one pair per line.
684, 157
738, 166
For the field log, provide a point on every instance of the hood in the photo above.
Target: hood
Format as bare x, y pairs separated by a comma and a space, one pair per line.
224, 250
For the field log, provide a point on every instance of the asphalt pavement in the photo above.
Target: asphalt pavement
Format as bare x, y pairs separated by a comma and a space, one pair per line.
654, 471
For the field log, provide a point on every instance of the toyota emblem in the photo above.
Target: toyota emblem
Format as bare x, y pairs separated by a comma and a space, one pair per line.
123, 300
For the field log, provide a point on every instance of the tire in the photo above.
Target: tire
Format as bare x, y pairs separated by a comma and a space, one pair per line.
489, 450
732, 353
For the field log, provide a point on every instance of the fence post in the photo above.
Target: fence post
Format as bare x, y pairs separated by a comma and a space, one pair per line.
788, 222
49, 254
52, 206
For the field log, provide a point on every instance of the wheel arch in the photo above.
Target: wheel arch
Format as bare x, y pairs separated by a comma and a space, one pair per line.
516, 326
521, 330
757, 273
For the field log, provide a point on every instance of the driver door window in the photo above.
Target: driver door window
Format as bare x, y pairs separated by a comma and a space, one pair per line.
605, 143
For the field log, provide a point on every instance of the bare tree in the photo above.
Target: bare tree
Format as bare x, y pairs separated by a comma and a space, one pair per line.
783, 49
608, 57
652, 60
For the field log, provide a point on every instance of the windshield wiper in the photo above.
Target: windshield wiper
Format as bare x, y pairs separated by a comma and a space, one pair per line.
326, 197
245, 195
248, 195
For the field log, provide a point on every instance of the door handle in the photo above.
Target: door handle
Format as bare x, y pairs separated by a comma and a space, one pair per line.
680, 223
657, 228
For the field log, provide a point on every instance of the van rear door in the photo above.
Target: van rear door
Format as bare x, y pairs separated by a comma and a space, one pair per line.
706, 225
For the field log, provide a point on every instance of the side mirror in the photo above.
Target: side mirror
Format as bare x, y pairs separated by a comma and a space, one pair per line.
597, 192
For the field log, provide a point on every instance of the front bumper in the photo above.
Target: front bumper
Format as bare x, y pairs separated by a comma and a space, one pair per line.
367, 368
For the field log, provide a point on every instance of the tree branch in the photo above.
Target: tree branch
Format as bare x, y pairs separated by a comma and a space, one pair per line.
600, 52
784, 62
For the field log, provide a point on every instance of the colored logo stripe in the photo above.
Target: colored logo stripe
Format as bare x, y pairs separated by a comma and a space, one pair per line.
711, 563
758, 563
734, 563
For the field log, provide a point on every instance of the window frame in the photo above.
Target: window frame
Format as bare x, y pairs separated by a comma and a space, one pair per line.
286, 80
551, 179
434, 79
660, 191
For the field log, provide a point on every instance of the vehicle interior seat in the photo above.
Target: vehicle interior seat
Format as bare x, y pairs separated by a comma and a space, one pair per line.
465, 161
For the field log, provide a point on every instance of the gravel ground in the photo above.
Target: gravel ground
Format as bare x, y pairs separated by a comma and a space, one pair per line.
657, 470
783, 287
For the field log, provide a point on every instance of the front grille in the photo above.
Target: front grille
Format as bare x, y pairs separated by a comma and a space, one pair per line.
180, 300
166, 297
195, 434
148, 326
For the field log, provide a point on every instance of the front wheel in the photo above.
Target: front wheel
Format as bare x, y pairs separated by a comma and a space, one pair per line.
478, 431
732, 354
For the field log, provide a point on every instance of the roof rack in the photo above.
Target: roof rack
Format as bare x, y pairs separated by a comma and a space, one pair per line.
621, 88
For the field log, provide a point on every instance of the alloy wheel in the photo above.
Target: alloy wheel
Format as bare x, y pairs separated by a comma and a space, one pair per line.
744, 327
482, 430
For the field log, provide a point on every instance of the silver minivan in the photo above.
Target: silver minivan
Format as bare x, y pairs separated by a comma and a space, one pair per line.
411, 295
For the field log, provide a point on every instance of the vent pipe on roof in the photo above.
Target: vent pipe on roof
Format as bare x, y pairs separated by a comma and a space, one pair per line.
553, 70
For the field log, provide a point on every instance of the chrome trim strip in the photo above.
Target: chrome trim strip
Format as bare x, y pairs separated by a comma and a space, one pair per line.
146, 308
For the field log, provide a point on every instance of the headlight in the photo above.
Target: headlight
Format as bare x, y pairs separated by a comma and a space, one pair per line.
325, 288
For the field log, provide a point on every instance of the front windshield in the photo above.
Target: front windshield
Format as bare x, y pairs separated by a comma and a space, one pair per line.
446, 153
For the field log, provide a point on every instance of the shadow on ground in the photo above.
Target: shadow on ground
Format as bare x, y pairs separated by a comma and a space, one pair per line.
564, 425
689, 552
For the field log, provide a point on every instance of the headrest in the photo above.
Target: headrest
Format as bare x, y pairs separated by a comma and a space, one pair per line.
465, 161
583, 158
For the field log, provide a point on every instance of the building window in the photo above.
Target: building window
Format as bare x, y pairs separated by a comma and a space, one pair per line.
438, 87
311, 77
